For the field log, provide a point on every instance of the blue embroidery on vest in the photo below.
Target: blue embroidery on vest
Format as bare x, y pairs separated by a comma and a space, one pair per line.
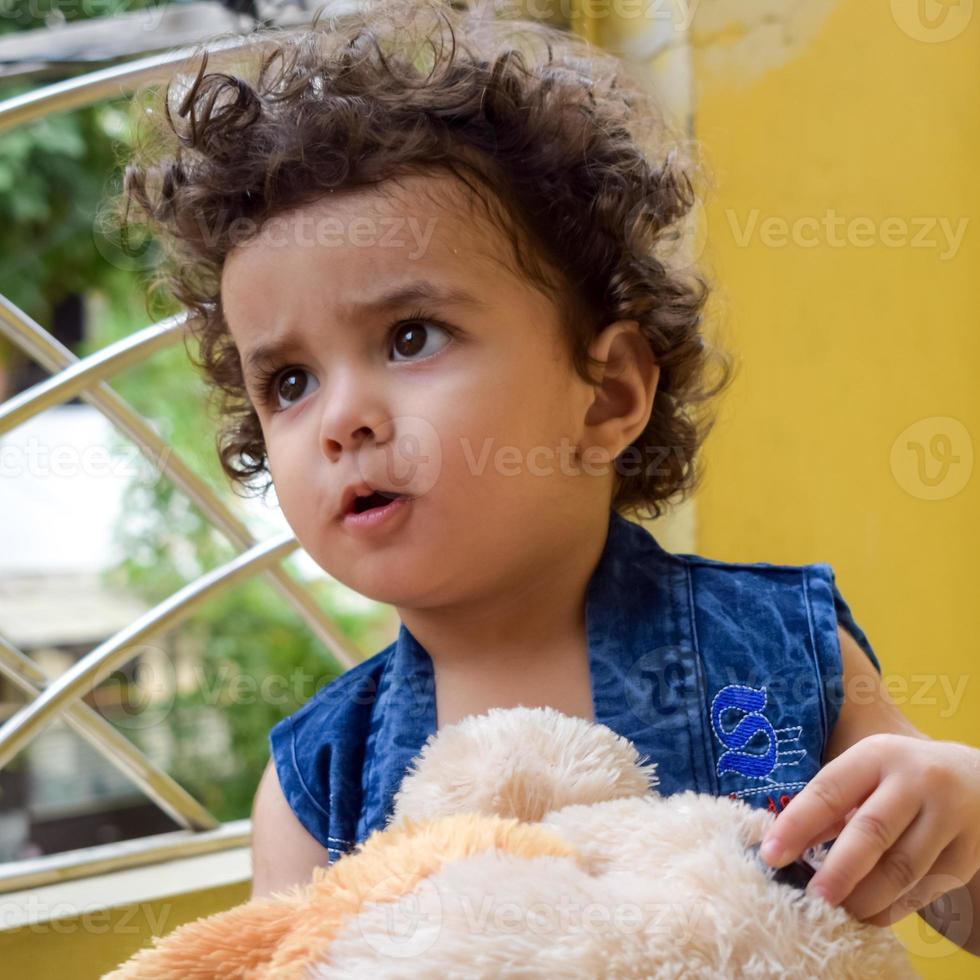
753, 764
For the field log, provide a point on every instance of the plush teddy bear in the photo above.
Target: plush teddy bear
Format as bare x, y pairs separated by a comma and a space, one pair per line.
527, 843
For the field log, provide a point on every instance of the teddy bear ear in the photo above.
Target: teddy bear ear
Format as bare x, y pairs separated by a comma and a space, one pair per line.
520, 762
238, 941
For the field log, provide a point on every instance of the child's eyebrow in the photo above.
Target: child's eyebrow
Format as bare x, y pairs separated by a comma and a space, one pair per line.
416, 291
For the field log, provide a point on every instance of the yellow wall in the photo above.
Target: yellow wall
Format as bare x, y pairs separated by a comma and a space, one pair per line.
849, 110
844, 348
84, 947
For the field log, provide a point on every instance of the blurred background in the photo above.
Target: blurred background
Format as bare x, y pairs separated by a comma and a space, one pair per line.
838, 230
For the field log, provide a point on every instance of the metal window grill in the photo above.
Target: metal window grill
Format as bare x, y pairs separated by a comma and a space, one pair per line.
61, 697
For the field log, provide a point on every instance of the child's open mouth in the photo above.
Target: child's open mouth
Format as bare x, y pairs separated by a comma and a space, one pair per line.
374, 510
377, 499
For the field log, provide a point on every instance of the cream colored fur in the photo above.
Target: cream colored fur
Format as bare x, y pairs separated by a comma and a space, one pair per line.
529, 844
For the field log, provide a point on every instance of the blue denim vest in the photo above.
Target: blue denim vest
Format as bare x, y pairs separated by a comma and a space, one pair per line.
726, 674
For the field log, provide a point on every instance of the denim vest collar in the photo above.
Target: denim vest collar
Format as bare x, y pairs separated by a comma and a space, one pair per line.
647, 678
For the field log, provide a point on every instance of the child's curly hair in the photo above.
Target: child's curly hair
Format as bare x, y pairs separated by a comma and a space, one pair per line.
549, 132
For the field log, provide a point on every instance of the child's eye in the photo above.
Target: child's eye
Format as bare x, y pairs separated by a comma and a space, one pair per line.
415, 338
289, 386
419, 339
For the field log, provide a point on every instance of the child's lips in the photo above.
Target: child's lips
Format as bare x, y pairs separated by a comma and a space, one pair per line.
350, 494
377, 518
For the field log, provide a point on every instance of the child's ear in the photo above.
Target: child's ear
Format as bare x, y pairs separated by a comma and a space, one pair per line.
624, 389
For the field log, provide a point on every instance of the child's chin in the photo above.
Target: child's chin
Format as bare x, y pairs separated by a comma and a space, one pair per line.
405, 579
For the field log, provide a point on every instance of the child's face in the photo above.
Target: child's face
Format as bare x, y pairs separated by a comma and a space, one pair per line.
476, 423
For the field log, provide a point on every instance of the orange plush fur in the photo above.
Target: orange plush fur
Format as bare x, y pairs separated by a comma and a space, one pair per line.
280, 935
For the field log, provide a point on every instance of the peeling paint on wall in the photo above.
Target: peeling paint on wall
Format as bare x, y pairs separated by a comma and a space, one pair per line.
740, 40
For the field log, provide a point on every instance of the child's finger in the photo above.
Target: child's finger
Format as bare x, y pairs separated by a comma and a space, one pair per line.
825, 835
829, 833
846, 781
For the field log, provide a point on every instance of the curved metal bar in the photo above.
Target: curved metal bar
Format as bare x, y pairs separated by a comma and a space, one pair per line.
86, 862
97, 664
107, 83
158, 785
104, 363
119, 80
52, 355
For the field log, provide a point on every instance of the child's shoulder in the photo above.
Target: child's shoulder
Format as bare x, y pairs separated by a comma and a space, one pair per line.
706, 579
356, 687
316, 752
810, 583
813, 580
765, 567
803, 595
637, 539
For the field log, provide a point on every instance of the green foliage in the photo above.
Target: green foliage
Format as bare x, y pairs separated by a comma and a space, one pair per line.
54, 173
18, 15
52, 176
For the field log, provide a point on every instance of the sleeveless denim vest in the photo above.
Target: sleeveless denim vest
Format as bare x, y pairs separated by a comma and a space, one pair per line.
727, 675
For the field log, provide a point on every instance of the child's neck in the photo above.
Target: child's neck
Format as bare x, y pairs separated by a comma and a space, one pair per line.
559, 678
523, 645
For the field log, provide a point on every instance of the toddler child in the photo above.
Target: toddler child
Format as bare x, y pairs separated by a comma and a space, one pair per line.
450, 235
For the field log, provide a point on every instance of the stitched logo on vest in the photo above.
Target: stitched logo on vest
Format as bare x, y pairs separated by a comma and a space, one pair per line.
753, 747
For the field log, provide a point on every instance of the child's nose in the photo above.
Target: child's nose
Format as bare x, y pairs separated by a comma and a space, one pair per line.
352, 417
335, 447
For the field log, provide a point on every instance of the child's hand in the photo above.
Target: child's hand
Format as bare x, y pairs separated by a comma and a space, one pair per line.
907, 812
